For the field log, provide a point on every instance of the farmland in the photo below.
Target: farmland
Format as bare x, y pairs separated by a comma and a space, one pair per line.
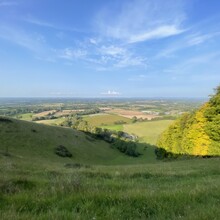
144, 118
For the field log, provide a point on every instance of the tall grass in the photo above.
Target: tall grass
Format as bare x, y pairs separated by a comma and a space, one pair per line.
166, 190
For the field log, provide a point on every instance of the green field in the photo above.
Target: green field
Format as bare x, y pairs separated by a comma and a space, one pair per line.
148, 131
105, 119
114, 127
25, 117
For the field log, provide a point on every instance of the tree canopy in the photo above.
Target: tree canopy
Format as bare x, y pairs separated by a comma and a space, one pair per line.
196, 133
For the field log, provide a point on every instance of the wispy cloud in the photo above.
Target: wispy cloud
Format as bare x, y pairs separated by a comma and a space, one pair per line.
141, 20
201, 38
42, 23
39, 22
190, 40
120, 57
140, 77
103, 57
33, 42
198, 64
112, 50
160, 32
72, 54
201, 59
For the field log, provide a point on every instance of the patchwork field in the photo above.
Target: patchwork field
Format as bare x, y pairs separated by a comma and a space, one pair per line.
130, 114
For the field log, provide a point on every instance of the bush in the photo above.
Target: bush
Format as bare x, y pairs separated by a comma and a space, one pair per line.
127, 147
161, 154
62, 151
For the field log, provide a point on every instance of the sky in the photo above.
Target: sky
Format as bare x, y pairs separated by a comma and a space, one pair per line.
111, 48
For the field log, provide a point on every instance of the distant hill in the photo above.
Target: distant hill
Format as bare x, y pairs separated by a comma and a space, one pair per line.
196, 133
37, 143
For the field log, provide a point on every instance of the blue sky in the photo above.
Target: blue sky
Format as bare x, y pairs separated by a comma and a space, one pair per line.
125, 48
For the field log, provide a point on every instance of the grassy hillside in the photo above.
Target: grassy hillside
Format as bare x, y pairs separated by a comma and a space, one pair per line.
36, 184
36, 142
197, 133
166, 190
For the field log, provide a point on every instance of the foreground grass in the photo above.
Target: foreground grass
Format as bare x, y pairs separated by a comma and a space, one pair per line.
164, 190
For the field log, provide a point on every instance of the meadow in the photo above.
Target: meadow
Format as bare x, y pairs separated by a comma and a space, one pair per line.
161, 190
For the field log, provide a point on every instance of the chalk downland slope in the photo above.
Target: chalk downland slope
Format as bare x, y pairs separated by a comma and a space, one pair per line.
37, 143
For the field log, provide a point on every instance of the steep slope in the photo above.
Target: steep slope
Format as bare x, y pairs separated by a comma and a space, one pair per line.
35, 143
197, 133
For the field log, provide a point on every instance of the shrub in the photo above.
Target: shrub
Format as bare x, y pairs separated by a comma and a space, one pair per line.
6, 120
62, 151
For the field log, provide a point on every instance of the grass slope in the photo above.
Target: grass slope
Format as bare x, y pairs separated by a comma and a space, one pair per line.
35, 184
166, 190
36, 142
